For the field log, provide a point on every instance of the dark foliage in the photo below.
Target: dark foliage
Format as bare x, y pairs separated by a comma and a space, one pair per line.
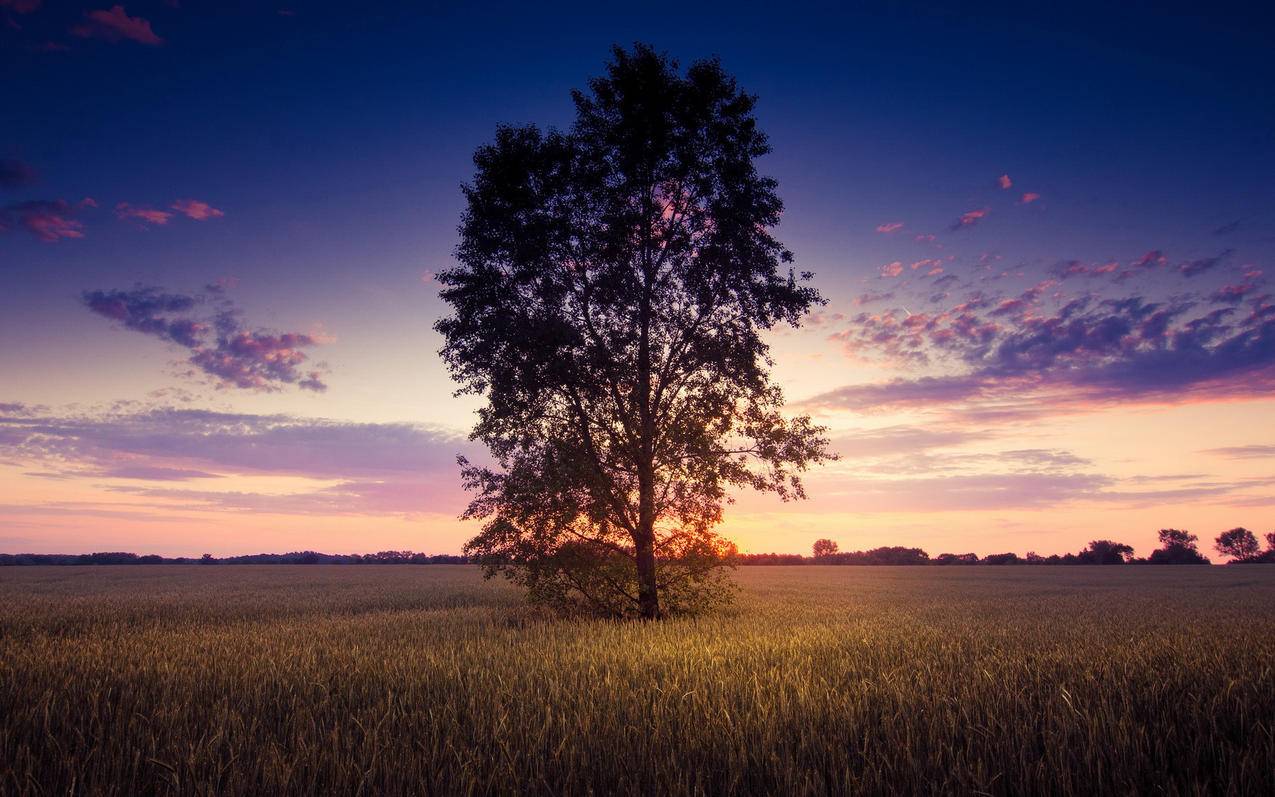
1239, 543
1177, 548
824, 547
1105, 552
613, 287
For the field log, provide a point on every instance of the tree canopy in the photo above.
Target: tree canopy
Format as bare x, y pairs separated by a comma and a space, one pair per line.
613, 286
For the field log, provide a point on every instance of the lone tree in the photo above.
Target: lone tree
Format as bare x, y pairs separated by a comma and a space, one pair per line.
1239, 543
613, 287
824, 547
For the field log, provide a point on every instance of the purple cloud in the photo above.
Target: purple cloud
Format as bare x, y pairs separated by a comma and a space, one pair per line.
49, 220
219, 345
1088, 350
1194, 268
115, 25
379, 468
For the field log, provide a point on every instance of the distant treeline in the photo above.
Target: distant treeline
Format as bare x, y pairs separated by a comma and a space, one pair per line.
294, 558
1177, 547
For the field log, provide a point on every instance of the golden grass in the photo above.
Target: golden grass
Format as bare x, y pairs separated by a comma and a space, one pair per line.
381, 680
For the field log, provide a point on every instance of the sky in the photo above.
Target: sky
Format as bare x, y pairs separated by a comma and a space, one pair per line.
1047, 241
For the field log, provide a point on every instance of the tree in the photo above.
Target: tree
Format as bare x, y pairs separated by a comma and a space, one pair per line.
824, 547
1177, 547
1238, 543
613, 286
1270, 541
1105, 552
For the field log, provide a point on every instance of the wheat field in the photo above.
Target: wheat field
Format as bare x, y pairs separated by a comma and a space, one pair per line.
426, 679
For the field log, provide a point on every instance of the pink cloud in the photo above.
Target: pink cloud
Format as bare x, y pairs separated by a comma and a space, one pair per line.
115, 25
197, 210
48, 220
925, 262
1004, 182
892, 269
1028, 198
125, 212
890, 226
969, 219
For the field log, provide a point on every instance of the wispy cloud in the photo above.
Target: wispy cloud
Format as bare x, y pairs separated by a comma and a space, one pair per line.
358, 468
968, 219
49, 220
211, 328
1087, 352
141, 215
1028, 198
196, 209
889, 227
113, 25
1243, 452
1004, 182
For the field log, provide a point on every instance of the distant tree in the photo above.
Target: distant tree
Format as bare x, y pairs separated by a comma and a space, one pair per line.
823, 548
1001, 559
207, 559
956, 559
1270, 541
1239, 543
1177, 547
1105, 552
613, 287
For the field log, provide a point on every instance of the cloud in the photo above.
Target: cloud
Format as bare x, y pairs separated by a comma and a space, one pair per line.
1086, 353
1004, 182
219, 344
892, 269
365, 468
872, 298
971, 492
968, 219
143, 216
115, 25
1227, 229
1233, 294
1028, 198
889, 227
16, 174
896, 440
155, 473
1203, 265
196, 209
1243, 452
150, 312
49, 220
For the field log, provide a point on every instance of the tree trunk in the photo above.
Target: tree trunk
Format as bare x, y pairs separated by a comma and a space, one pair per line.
648, 593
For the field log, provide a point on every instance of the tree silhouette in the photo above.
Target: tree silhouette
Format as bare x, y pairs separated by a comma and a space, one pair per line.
1105, 552
613, 286
1177, 547
1239, 543
824, 547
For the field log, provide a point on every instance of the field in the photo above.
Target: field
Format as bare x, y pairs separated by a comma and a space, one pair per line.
380, 680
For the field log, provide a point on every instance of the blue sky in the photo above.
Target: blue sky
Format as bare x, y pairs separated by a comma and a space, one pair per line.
332, 140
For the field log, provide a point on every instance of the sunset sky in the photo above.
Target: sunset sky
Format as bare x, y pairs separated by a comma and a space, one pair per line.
1047, 244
